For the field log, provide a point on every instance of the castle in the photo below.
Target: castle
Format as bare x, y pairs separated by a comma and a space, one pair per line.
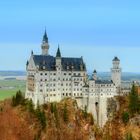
51, 79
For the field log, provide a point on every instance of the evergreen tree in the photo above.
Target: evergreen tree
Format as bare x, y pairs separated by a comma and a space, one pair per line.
30, 106
17, 99
56, 115
129, 136
52, 107
125, 117
41, 116
85, 112
133, 101
65, 113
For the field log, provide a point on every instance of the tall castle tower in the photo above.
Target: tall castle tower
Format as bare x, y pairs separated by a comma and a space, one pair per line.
45, 45
116, 72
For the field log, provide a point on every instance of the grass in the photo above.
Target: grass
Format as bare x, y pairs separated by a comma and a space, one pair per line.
6, 94
15, 84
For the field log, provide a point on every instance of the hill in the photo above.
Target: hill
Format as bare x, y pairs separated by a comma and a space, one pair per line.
20, 123
62, 121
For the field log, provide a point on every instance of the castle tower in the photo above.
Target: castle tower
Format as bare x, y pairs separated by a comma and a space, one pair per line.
116, 72
94, 75
58, 69
45, 45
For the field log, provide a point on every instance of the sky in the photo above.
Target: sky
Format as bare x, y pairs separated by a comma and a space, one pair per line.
98, 30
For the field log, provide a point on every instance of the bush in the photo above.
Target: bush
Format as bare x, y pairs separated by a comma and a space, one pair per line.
125, 117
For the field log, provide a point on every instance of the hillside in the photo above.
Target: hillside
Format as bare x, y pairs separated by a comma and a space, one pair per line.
20, 123
62, 121
117, 129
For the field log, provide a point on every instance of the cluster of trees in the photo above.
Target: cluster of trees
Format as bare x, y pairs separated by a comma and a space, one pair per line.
40, 114
134, 105
54, 110
134, 101
17, 99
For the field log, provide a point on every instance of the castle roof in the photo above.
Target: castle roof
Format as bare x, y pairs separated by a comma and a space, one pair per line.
48, 62
58, 54
116, 59
103, 82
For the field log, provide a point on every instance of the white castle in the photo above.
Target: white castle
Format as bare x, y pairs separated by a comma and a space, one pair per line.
50, 79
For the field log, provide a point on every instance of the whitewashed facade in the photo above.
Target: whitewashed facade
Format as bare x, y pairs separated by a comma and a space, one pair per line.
52, 78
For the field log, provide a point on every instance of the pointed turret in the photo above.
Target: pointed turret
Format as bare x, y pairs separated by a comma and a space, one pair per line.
45, 37
45, 45
95, 75
58, 54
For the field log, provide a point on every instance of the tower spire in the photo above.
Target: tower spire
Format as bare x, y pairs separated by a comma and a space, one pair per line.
45, 37
45, 44
58, 54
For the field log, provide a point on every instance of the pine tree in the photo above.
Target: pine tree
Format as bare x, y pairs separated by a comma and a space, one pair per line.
65, 113
133, 101
41, 116
129, 136
125, 117
30, 106
85, 112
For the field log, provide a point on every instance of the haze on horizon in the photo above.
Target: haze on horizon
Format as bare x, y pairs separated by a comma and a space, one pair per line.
96, 30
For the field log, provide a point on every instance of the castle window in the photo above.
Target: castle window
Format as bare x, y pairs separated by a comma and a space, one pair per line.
45, 79
64, 73
41, 90
69, 94
40, 79
69, 73
54, 74
41, 73
79, 74
45, 73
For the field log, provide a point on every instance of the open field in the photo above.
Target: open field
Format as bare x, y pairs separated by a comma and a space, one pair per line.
8, 88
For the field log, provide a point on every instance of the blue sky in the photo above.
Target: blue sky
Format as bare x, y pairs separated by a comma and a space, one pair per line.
98, 30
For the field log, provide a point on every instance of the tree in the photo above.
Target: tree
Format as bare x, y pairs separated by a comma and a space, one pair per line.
41, 116
65, 113
85, 112
125, 117
52, 108
133, 101
56, 115
17, 99
30, 106
129, 136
